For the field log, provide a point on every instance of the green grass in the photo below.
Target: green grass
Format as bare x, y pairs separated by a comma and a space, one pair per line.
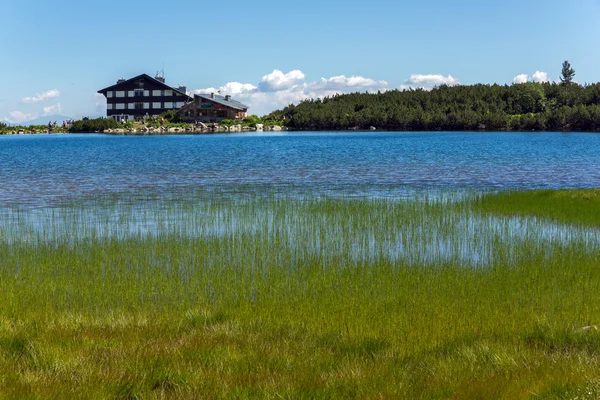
263, 297
565, 206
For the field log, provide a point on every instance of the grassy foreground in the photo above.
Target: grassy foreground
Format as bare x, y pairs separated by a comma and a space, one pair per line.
288, 298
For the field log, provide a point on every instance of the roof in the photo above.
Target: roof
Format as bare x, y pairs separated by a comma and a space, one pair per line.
222, 100
145, 76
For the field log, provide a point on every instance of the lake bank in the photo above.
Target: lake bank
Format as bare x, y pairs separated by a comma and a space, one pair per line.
267, 297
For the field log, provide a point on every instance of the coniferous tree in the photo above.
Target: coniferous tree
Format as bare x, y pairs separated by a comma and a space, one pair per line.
567, 74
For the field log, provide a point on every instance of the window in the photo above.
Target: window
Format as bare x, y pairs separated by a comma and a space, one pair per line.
139, 106
130, 93
120, 106
156, 105
167, 93
119, 93
157, 93
109, 93
109, 106
146, 106
138, 92
146, 93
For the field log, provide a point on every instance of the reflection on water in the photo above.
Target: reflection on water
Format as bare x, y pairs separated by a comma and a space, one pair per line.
43, 170
296, 192
419, 232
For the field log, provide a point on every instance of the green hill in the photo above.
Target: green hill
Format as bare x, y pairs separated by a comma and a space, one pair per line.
528, 106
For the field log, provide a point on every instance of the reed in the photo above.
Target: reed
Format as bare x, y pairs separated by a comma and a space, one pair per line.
274, 296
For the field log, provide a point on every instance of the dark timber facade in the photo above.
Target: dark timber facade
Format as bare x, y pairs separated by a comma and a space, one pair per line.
142, 96
212, 108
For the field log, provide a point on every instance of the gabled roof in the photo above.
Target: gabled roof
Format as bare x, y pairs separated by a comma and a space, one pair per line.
145, 76
222, 100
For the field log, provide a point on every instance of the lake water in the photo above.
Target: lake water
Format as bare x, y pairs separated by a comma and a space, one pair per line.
41, 169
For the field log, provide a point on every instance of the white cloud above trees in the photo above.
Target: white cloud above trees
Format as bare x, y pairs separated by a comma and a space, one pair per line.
279, 89
16, 117
53, 109
538, 77
431, 80
44, 96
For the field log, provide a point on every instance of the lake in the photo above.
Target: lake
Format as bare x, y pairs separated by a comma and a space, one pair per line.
40, 170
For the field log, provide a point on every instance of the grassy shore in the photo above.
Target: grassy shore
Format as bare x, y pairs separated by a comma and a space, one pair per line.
254, 297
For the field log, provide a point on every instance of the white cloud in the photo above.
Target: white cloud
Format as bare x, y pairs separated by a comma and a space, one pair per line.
100, 101
277, 89
53, 109
522, 78
277, 80
540, 77
430, 80
50, 94
231, 88
342, 84
17, 117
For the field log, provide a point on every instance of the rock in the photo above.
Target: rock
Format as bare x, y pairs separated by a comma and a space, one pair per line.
373, 128
259, 127
276, 128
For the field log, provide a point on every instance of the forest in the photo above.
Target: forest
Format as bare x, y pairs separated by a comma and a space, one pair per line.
564, 106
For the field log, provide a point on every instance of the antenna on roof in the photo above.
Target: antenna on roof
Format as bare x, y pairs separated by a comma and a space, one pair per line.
160, 76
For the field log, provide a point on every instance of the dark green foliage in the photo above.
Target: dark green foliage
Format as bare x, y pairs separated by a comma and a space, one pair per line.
170, 116
95, 125
567, 74
523, 107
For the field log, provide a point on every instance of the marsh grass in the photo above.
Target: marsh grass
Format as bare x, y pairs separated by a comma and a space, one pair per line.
564, 206
296, 298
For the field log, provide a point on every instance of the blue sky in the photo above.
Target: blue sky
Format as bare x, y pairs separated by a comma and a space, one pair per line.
57, 54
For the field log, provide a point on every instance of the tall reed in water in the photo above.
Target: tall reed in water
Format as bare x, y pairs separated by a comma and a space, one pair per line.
287, 297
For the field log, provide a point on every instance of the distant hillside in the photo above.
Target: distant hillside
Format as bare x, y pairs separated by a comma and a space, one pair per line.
44, 120
528, 106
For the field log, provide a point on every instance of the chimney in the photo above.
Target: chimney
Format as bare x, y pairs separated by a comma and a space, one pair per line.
212, 95
182, 88
227, 98
120, 81
160, 78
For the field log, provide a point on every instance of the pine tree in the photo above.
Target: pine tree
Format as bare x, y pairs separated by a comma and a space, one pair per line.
567, 74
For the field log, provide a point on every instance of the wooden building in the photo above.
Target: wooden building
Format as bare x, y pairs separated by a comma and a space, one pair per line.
212, 108
142, 96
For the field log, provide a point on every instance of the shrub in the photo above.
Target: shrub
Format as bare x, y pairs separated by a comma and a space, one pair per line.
93, 125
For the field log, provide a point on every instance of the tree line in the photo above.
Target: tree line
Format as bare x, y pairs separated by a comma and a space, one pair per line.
564, 106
